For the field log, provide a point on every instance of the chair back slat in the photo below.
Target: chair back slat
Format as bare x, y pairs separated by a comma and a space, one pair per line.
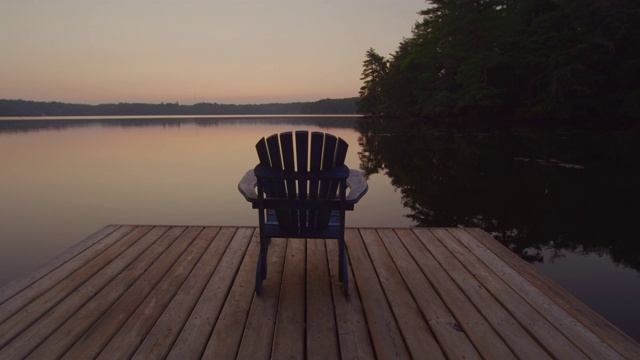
338, 160
338, 156
302, 160
315, 164
273, 144
288, 161
289, 164
341, 152
315, 156
277, 188
329, 151
327, 186
302, 150
288, 155
263, 156
315, 161
328, 157
274, 151
263, 153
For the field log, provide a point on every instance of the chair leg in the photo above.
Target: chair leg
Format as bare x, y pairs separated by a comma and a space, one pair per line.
345, 286
340, 256
259, 276
264, 252
261, 266
343, 272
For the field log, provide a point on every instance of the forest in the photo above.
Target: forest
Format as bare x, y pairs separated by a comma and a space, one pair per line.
38, 108
541, 61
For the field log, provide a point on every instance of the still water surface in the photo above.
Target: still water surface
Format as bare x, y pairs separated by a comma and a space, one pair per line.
61, 180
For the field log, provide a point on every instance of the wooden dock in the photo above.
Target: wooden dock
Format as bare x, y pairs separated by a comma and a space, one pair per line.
187, 293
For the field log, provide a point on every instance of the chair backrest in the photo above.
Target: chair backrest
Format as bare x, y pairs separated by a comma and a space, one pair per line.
302, 153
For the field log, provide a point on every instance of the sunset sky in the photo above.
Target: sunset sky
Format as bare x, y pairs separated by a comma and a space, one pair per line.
186, 51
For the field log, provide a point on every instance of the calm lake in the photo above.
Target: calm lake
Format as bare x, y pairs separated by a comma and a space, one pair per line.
564, 200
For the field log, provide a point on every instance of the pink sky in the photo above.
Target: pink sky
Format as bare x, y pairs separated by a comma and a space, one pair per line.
190, 51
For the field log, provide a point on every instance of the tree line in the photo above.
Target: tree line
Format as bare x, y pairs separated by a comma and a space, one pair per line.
540, 60
37, 108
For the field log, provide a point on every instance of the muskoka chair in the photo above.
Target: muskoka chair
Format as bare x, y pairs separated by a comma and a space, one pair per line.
301, 183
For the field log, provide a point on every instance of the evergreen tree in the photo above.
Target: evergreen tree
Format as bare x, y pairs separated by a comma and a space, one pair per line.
371, 93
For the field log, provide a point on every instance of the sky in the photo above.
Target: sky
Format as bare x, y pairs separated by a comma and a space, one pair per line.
189, 51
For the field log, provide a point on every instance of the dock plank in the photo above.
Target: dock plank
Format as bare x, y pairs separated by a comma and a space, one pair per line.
66, 335
194, 335
46, 283
187, 292
227, 332
130, 336
257, 337
21, 283
84, 267
322, 339
557, 336
76, 312
451, 338
165, 331
288, 341
353, 333
414, 328
385, 333
606, 332
485, 339
531, 320
96, 337
514, 335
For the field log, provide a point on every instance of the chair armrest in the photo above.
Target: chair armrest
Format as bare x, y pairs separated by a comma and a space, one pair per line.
247, 186
357, 186
355, 182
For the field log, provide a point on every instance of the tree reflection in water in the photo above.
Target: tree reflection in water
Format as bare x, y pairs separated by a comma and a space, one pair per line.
533, 189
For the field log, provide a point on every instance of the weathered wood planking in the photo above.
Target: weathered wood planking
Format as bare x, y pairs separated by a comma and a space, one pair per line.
187, 292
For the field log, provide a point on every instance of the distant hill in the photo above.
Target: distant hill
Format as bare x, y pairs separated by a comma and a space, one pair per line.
38, 108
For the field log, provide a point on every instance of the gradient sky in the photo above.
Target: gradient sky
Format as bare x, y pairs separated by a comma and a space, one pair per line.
105, 51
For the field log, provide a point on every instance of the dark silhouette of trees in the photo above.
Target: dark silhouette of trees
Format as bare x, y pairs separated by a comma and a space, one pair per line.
329, 106
37, 108
512, 59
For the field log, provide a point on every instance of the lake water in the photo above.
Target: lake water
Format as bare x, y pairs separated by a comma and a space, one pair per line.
563, 200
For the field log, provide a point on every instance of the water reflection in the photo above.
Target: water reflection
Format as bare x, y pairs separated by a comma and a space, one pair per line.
35, 124
534, 189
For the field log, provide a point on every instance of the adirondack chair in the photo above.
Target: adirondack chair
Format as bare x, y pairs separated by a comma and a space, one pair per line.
302, 192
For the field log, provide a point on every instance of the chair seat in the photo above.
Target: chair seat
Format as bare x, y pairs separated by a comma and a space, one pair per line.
274, 229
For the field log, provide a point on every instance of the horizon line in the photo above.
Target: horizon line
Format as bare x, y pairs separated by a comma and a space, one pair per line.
178, 103
142, 117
